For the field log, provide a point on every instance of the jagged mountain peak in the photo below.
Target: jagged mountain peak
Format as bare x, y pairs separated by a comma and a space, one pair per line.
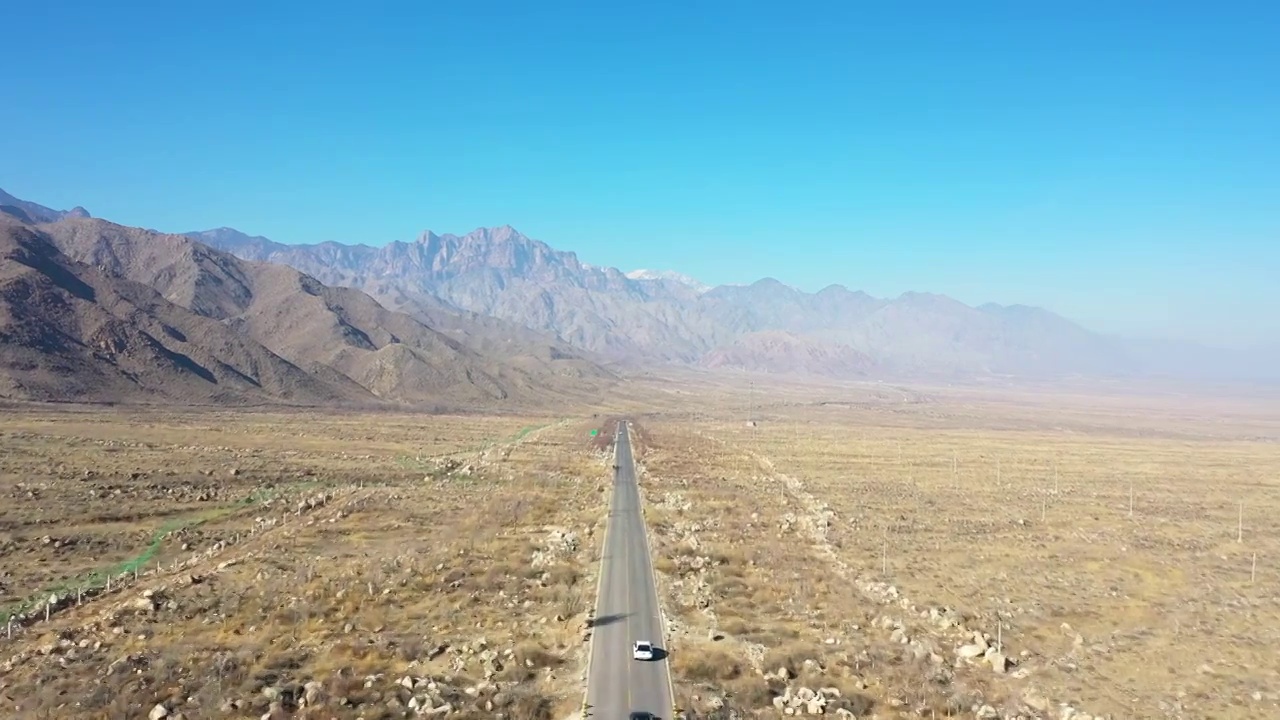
648, 315
500, 276
496, 234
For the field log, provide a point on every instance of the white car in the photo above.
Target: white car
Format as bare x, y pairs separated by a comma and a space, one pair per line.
642, 650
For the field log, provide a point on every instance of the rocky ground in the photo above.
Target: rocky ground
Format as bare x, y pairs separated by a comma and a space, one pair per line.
813, 565
446, 570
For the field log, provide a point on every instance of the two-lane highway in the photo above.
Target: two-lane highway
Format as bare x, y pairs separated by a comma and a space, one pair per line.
627, 609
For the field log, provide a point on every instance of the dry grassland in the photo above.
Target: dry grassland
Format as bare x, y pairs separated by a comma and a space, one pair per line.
850, 544
293, 564
870, 531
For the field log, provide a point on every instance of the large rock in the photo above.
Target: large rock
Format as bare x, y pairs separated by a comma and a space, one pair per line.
158, 712
998, 661
313, 693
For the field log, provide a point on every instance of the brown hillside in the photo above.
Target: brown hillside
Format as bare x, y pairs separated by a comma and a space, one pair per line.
339, 336
68, 331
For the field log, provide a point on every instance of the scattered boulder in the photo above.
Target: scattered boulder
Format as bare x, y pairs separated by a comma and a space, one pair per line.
998, 661
969, 652
313, 693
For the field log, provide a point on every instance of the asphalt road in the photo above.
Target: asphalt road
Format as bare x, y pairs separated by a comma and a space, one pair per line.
627, 610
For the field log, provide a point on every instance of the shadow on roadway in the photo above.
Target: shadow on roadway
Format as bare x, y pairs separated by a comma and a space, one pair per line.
607, 620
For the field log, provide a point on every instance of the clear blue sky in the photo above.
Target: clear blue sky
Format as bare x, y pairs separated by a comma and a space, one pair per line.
1116, 162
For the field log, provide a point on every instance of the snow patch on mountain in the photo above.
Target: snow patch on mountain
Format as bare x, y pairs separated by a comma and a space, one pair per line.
695, 285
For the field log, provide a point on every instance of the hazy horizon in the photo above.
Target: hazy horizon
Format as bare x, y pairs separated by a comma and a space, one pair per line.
1113, 166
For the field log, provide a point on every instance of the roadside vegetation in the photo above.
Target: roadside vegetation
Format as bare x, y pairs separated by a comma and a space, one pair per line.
964, 554
295, 565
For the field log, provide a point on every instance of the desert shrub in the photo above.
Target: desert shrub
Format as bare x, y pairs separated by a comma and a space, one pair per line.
733, 625
538, 655
565, 575
726, 555
527, 703
706, 665
855, 702
731, 587
410, 647
750, 692
790, 656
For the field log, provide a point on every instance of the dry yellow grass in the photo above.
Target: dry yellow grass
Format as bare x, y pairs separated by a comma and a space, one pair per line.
1154, 613
456, 551
775, 547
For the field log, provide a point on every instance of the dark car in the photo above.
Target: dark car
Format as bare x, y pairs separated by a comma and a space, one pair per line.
642, 715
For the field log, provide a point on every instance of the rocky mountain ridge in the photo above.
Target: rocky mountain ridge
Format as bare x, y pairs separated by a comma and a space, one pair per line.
94, 311
514, 298
641, 317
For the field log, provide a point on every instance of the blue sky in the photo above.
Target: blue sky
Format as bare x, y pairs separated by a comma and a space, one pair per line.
1116, 162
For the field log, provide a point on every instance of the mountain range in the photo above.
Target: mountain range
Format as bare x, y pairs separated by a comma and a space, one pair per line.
91, 310
648, 316
33, 213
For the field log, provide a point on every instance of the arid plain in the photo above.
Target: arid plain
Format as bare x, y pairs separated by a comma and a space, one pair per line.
1115, 553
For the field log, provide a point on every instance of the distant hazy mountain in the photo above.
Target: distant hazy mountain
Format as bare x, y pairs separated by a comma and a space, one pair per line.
510, 313
501, 273
776, 351
1173, 358
31, 212
648, 316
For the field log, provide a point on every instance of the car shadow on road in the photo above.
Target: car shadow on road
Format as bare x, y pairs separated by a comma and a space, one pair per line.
607, 620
